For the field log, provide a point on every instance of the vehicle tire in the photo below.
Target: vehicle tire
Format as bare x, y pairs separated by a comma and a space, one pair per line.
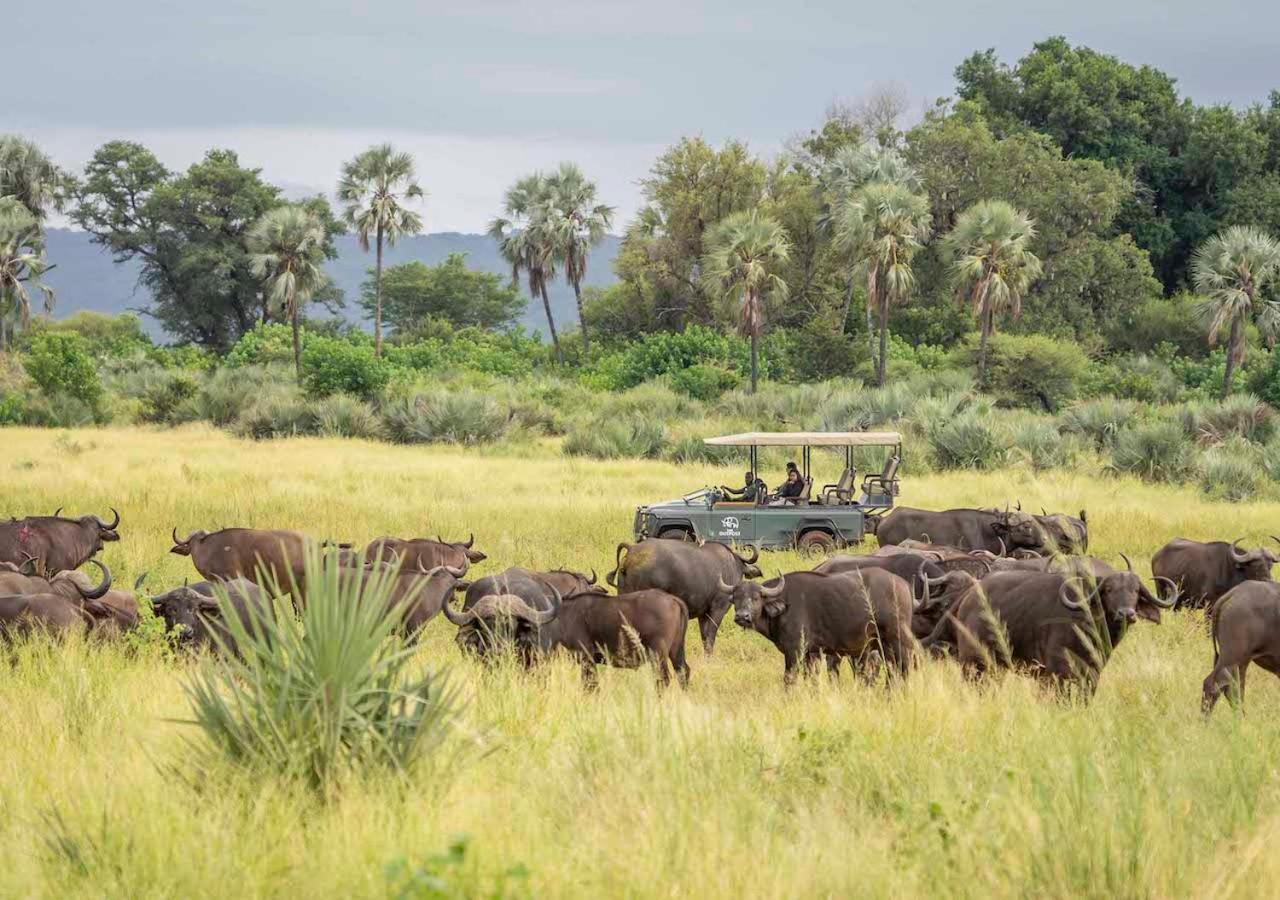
676, 533
816, 543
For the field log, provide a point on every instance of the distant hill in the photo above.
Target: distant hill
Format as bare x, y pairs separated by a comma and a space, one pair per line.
84, 276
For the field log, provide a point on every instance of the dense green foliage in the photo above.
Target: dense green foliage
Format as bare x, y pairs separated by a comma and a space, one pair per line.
414, 295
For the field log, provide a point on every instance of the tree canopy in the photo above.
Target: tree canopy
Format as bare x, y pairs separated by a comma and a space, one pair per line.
415, 294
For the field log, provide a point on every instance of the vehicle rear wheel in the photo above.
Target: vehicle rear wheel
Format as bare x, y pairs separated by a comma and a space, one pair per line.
676, 533
816, 543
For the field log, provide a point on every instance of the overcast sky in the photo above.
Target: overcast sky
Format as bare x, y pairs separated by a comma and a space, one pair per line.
482, 91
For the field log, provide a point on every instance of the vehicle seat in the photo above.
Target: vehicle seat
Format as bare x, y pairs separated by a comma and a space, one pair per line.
886, 482
841, 490
805, 494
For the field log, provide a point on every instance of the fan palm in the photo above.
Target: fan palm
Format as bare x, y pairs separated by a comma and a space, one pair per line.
286, 247
29, 176
992, 264
527, 240
375, 187
1231, 270
577, 225
22, 263
743, 253
882, 227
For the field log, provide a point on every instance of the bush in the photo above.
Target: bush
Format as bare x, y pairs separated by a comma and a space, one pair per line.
105, 336
342, 415
817, 352
228, 394
966, 441
60, 363
338, 366
280, 413
1041, 445
613, 438
1033, 370
451, 416
263, 346
1100, 421
664, 353
1146, 379
1232, 472
13, 410
704, 382
161, 392
60, 411
1174, 322
1240, 415
1155, 451
323, 696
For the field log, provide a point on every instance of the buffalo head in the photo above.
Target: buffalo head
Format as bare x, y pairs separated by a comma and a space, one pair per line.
1123, 597
1254, 565
467, 547
182, 546
753, 601
183, 611
501, 620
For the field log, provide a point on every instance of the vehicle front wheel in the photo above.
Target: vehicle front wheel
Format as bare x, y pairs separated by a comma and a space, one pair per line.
676, 534
816, 543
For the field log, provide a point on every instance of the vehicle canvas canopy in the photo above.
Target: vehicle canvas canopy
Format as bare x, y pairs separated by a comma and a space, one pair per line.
808, 440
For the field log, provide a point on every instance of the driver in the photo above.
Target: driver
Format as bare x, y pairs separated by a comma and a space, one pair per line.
751, 491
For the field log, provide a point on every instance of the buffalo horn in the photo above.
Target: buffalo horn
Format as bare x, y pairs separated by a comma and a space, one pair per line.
594, 577
179, 541
470, 541
101, 590
460, 619
723, 586
1127, 563
755, 555
1004, 548
1173, 598
770, 592
1065, 594
57, 512
1237, 556
115, 520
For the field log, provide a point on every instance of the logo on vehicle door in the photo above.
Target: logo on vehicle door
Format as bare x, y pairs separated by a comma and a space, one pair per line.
729, 523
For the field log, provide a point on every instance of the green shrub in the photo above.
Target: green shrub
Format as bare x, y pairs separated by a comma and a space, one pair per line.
1039, 443
421, 356
1146, 379
338, 366
704, 382
1034, 370
1100, 421
613, 438
228, 393
1174, 322
279, 413
163, 392
966, 441
60, 363
321, 697
817, 352
105, 336
342, 415
1155, 451
448, 416
265, 345
1203, 377
664, 353
1233, 471
1240, 415
60, 411
13, 409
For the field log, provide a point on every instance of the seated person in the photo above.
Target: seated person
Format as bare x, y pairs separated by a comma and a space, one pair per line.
791, 489
752, 490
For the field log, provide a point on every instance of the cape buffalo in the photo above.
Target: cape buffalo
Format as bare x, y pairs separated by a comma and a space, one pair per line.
693, 572
1246, 629
1064, 627
55, 544
808, 615
1201, 573
24, 614
193, 614
910, 567
112, 612
425, 552
966, 529
256, 555
419, 594
504, 611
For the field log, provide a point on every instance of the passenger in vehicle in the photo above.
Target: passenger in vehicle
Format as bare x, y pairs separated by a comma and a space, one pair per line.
792, 488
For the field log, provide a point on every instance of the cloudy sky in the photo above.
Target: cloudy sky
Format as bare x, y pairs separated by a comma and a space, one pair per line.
482, 91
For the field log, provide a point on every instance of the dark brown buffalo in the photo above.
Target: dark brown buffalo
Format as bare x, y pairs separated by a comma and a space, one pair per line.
112, 611
425, 552
53, 543
418, 595
965, 529
692, 572
192, 613
910, 567
810, 615
1064, 628
504, 611
1203, 572
1246, 629
25, 614
257, 555
1063, 533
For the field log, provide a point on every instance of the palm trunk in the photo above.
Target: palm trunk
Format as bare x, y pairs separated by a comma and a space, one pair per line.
986, 320
884, 342
1232, 349
871, 333
755, 359
377, 298
848, 305
297, 337
551, 324
582, 321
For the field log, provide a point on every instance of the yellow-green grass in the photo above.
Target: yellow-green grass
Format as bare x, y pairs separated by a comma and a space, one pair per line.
734, 788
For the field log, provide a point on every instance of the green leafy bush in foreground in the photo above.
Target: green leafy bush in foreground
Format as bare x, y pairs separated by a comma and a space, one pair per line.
1155, 451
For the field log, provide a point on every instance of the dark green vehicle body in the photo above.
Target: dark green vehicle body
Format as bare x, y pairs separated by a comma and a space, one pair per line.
839, 515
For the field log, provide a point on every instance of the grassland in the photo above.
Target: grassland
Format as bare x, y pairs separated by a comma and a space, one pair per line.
735, 788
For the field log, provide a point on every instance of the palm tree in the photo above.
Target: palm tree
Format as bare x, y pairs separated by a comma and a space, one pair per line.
992, 264
882, 226
579, 224
528, 242
375, 187
743, 252
851, 169
22, 264
1231, 269
286, 248
29, 176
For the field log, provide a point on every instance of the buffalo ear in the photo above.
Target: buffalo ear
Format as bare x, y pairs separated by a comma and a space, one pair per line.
774, 608
1147, 608
460, 586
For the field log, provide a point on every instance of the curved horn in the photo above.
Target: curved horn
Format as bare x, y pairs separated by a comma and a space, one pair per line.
1065, 595
723, 586
57, 512
115, 521
923, 600
1044, 512
1173, 598
101, 590
755, 555
594, 577
455, 571
470, 541
460, 619
179, 541
542, 617
770, 592
1004, 548
1236, 555
1127, 563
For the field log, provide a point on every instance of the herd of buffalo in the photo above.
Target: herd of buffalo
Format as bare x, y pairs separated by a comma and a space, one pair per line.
988, 587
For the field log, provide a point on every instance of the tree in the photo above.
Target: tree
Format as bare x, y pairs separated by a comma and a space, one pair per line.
992, 264
577, 223
286, 248
743, 254
415, 293
188, 233
883, 226
30, 177
375, 187
1231, 270
527, 241
22, 264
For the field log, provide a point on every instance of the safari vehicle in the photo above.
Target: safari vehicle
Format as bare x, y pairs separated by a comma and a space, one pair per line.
836, 515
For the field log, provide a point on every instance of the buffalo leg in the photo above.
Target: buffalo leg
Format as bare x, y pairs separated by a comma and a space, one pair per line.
679, 663
1224, 679
709, 625
662, 673
590, 680
833, 666
791, 665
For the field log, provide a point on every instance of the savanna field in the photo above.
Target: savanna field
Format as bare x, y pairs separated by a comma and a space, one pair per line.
733, 788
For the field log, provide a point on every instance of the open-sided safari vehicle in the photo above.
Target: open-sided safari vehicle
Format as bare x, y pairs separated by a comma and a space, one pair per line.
821, 519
